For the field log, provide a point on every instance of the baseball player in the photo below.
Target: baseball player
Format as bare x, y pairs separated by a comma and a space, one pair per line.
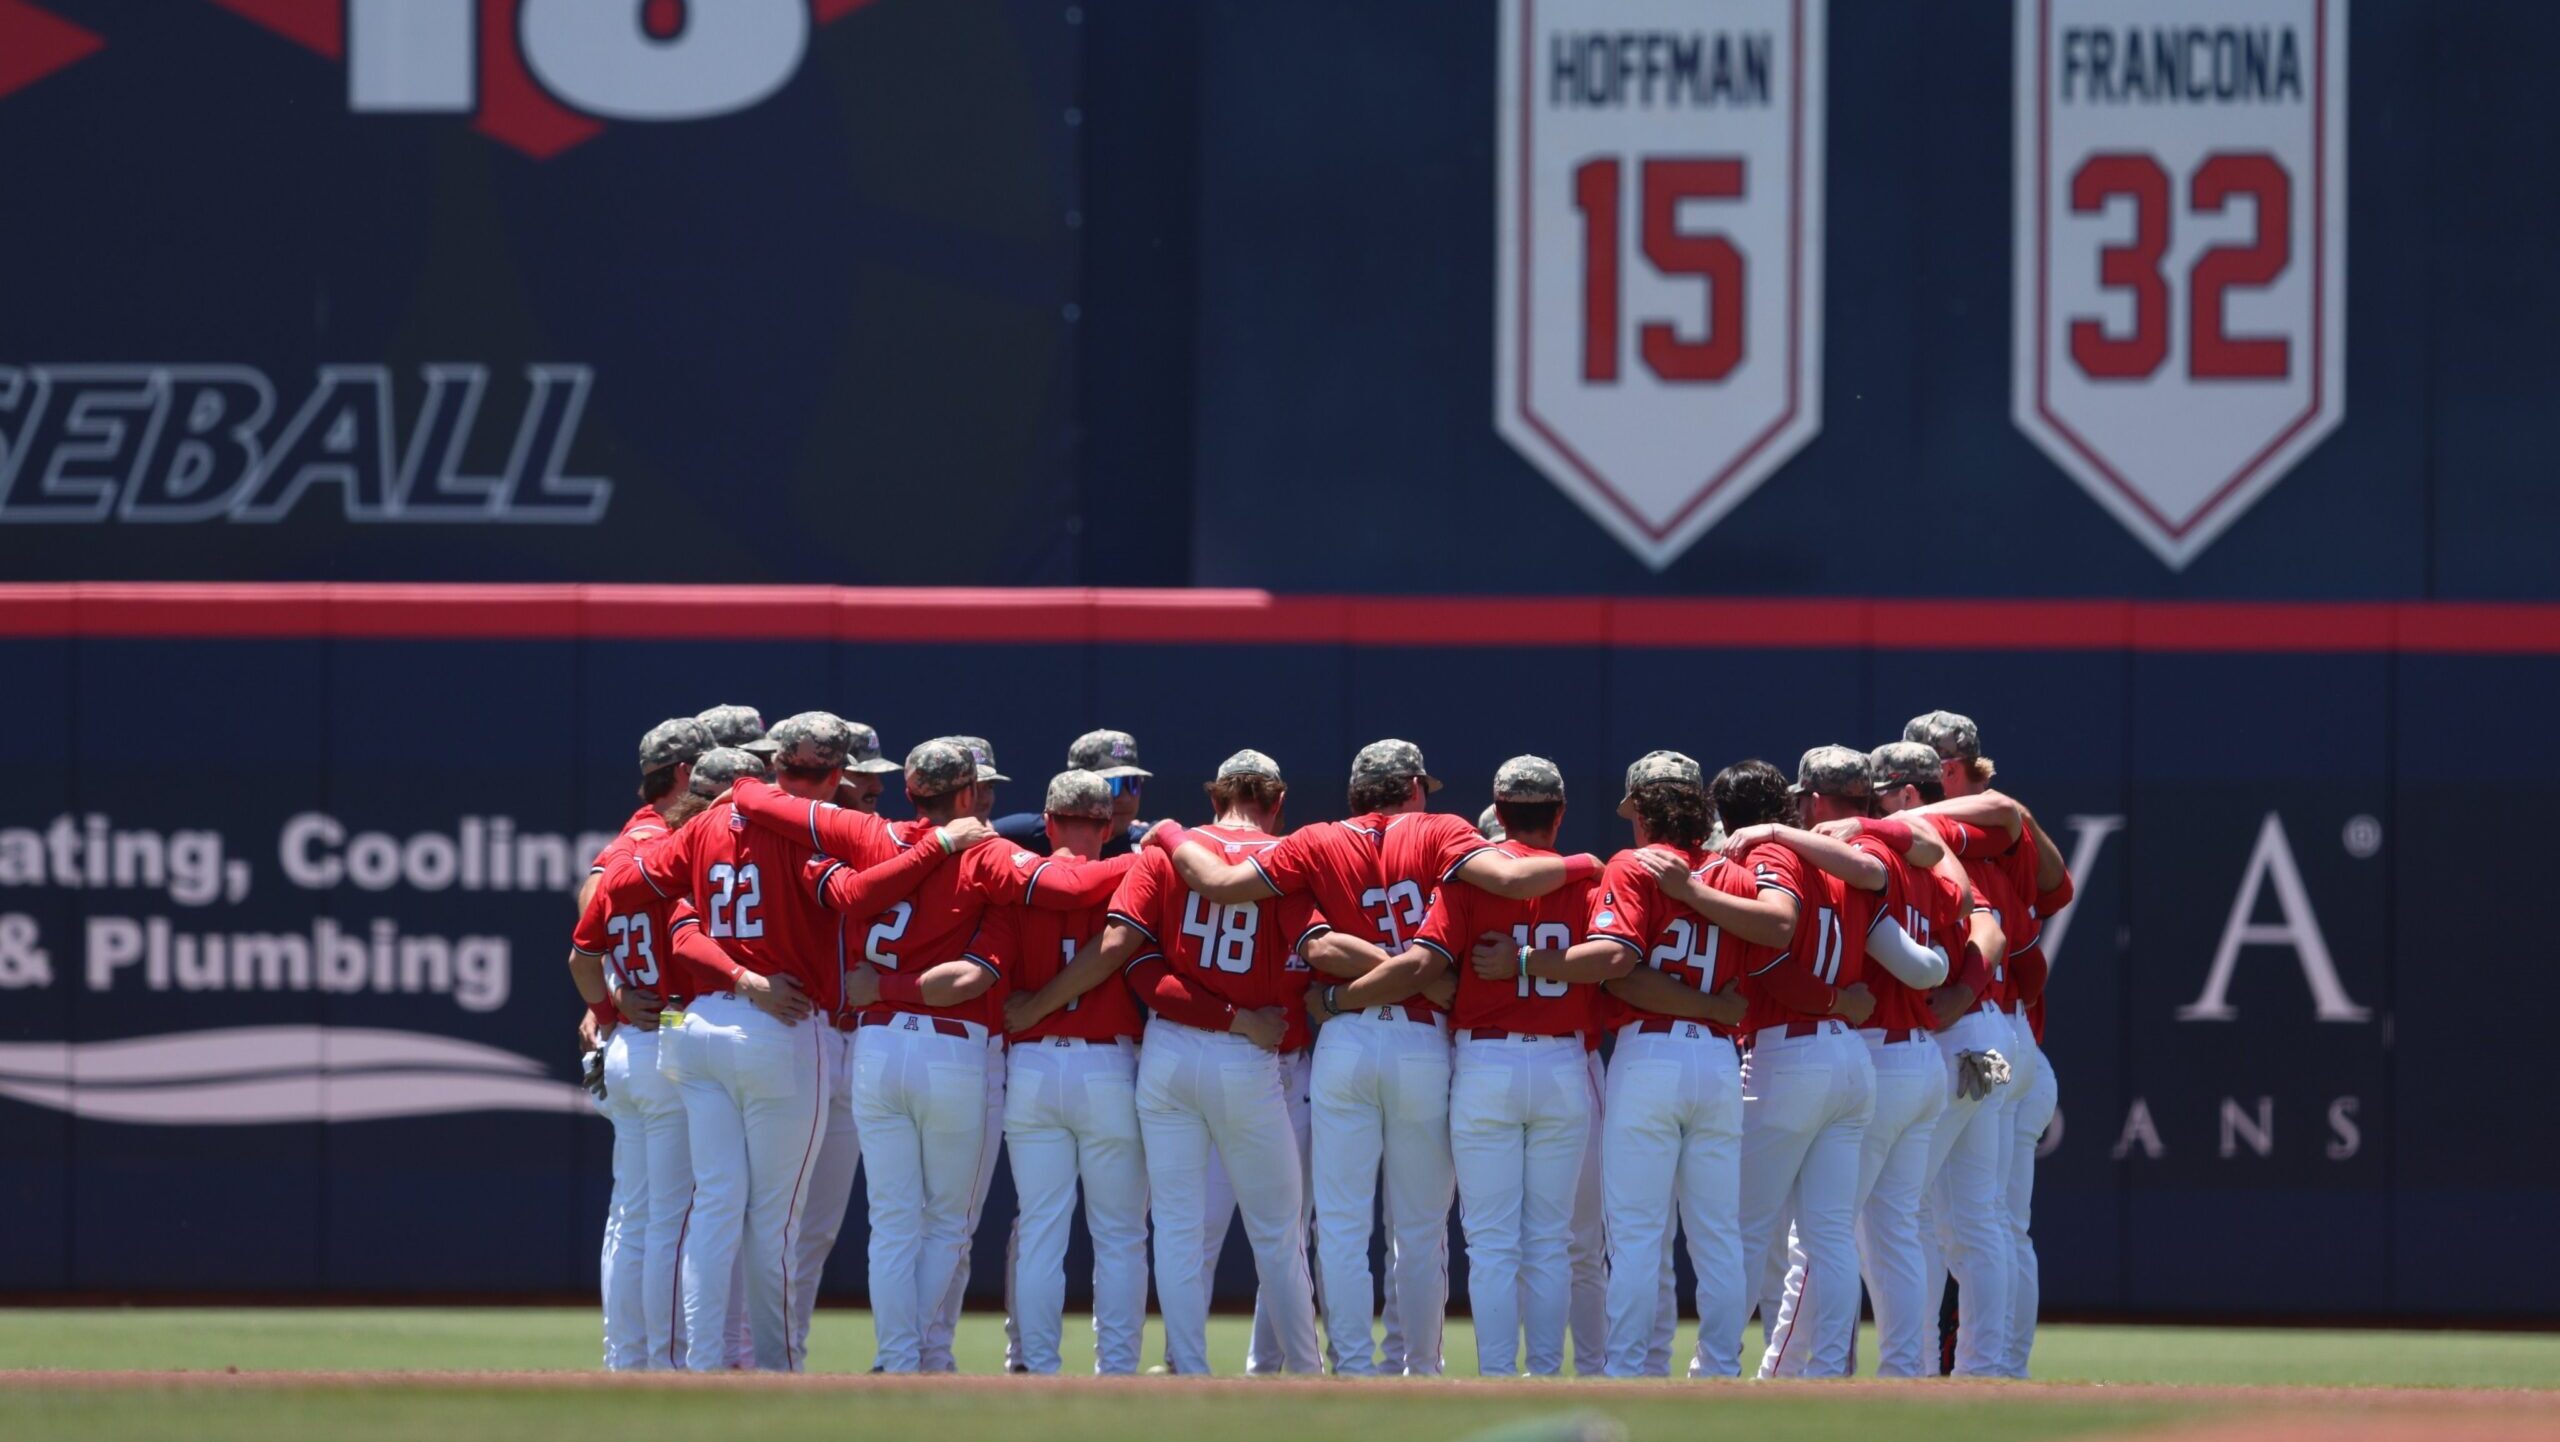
1519, 1103
945, 1321
652, 1177
1221, 981
1672, 1123
1995, 833
1964, 1228
1380, 1088
752, 1063
1834, 789
922, 998
840, 1149
1926, 897
1113, 756
1071, 1110
864, 771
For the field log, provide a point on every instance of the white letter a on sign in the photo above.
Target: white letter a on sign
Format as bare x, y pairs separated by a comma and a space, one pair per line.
2272, 861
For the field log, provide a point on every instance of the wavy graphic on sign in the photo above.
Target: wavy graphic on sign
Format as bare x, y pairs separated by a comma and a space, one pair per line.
259, 1075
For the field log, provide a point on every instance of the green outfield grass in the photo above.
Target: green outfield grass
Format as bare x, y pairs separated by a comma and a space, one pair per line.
1002, 1410
513, 1339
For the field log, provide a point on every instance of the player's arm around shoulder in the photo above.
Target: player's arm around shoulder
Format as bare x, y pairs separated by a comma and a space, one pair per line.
1217, 879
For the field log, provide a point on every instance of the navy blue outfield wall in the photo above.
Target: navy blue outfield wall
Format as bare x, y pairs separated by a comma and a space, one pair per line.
2277, 1008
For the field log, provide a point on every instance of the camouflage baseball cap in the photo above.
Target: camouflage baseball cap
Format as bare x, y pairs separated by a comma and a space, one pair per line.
1897, 764
721, 766
865, 755
1950, 735
1392, 760
812, 740
981, 751
1249, 762
673, 742
1834, 771
938, 768
1489, 826
1079, 793
1668, 766
1528, 778
740, 726
1107, 754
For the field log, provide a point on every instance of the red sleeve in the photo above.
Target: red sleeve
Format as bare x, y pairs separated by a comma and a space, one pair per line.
1974, 972
589, 934
1968, 840
1067, 884
1134, 903
899, 989
1299, 918
2026, 974
999, 939
695, 948
1625, 904
1292, 865
870, 890
1169, 996
1773, 864
1448, 928
857, 836
1453, 840
659, 871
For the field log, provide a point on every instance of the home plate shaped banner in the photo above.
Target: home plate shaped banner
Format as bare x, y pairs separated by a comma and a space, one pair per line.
2181, 250
1658, 309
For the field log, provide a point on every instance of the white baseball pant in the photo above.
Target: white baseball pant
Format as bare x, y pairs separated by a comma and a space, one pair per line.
633, 1075
1519, 1121
919, 1096
1588, 1246
626, 1218
1071, 1113
1806, 1102
1381, 1097
1264, 1355
1196, 1088
830, 1185
2033, 1113
1910, 1091
1671, 1137
945, 1322
755, 1098
1967, 1229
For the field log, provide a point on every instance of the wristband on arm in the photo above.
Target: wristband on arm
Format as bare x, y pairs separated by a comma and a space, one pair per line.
1894, 834
1581, 866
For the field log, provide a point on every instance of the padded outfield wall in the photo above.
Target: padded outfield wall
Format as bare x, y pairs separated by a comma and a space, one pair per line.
2289, 1009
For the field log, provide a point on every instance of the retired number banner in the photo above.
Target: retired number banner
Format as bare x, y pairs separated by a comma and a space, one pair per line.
1659, 306
2181, 254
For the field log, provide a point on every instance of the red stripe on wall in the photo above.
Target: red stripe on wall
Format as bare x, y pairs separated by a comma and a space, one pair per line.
1075, 615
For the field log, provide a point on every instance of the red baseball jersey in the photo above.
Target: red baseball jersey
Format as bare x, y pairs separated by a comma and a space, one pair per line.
1797, 984
938, 922
1382, 866
637, 944
2002, 869
2032, 987
1462, 912
1031, 944
745, 884
1246, 953
1920, 903
1628, 908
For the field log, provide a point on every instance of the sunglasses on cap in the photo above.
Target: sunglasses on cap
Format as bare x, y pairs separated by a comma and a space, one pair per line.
1125, 785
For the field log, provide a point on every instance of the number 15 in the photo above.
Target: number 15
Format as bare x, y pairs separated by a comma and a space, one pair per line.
1666, 182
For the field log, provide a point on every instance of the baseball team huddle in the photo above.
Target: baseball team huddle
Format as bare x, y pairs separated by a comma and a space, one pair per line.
1796, 1023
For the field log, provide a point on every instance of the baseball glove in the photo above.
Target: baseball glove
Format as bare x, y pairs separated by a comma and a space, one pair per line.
1977, 1072
591, 1071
